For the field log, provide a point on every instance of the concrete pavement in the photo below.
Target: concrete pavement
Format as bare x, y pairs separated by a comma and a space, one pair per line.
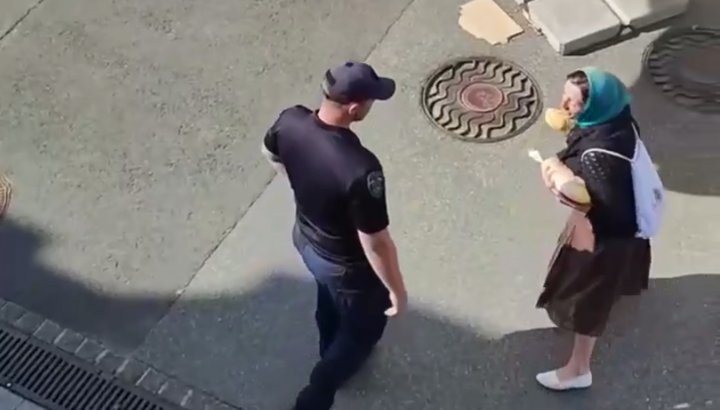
475, 230
11, 401
130, 129
168, 101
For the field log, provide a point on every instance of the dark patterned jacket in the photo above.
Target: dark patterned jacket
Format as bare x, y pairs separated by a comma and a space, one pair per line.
608, 178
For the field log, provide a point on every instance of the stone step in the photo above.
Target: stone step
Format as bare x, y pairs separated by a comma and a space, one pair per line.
639, 14
574, 25
127, 369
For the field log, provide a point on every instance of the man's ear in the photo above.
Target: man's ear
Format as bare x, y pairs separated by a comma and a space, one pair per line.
353, 108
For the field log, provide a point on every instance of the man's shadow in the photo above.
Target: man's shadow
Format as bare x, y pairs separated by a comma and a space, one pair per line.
685, 144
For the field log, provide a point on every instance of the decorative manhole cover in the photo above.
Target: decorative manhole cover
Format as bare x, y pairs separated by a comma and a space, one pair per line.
481, 99
685, 64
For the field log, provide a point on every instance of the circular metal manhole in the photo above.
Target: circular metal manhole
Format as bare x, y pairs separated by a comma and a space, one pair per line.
481, 99
685, 64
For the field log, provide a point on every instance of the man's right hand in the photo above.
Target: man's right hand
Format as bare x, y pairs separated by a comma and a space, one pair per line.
398, 303
381, 253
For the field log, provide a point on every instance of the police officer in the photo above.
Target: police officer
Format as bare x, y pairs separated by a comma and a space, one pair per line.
341, 225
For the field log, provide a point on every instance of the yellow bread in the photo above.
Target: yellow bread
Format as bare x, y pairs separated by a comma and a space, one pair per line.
570, 187
575, 192
558, 119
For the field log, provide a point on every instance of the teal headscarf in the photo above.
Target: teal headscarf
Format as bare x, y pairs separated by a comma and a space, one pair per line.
607, 98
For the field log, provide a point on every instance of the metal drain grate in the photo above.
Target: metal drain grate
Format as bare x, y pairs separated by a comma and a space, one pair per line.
59, 381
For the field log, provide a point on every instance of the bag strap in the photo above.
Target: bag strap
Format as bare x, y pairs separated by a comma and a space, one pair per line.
604, 151
638, 141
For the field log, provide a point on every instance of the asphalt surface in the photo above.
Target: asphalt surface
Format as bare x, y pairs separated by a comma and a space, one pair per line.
475, 230
10, 401
131, 131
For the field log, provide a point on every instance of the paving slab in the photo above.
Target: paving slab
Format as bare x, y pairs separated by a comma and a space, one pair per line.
570, 26
28, 405
639, 14
9, 400
475, 229
12, 12
130, 130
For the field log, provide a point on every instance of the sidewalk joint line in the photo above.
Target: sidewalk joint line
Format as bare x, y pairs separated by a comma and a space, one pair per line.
20, 20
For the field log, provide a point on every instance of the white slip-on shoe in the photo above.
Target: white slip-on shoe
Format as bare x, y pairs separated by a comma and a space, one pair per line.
550, 380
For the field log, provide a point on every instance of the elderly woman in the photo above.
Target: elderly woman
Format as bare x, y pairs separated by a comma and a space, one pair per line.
599, 258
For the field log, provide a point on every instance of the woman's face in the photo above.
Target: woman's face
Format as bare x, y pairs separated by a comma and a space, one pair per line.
572, 101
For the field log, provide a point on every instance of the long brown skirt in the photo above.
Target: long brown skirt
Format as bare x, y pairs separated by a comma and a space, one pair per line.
586, 277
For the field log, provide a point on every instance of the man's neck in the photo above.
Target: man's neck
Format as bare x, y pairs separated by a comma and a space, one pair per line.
332, 118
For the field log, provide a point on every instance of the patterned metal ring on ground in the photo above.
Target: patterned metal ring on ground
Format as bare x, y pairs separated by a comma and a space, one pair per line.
481, 99
685, 64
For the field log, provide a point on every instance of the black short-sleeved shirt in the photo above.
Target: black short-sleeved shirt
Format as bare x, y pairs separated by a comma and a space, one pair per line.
338, 184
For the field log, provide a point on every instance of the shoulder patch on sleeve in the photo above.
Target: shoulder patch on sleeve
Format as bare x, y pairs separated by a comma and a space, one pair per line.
376, 184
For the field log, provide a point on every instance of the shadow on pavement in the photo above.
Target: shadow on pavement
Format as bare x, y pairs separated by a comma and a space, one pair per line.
56, 295
684, 144
256, 349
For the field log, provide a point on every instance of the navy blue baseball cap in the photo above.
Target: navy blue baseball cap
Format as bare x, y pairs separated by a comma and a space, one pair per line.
356, 82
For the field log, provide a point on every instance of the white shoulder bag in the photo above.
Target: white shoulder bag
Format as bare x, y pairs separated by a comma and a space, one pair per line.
647, 186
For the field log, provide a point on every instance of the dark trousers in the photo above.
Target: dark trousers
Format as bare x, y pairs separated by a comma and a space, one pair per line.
350, 317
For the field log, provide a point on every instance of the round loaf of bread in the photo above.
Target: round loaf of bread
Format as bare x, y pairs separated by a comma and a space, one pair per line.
573, 192
558, 119
569, 188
